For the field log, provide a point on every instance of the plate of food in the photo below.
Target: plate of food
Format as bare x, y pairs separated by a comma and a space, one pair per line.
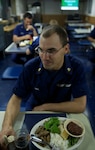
24, 43
27, 42
53, 131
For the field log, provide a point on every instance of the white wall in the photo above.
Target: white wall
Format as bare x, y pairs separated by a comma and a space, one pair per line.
52, 7
93, 8
48, 6
89, 8
20, 7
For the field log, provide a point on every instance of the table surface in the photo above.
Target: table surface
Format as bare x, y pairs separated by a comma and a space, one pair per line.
29, 119
79, 24
12, 48
9, 28
81, 30
73, 21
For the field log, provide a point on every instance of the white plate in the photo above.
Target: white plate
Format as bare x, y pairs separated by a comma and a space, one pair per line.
45, 148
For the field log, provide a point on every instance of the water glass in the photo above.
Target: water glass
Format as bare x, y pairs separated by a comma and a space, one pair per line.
22, 139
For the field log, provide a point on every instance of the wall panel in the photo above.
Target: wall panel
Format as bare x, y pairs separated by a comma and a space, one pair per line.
60, 18
90, 19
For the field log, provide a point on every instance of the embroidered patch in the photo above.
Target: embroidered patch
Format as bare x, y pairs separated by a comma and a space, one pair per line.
39, 69
37, 89
68, 69
63, 85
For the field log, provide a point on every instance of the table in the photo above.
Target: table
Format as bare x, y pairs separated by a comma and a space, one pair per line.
79, 24
9, 28
3, 22
12, 48
30, 118
82, 31
73, 21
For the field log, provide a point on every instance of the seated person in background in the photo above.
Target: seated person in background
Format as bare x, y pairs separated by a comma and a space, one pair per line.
53, 22
91, 36
23, 31
30, 52
31, 49
91, 50
54, 81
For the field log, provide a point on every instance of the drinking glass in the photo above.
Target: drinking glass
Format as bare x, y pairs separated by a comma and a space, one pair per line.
22, 139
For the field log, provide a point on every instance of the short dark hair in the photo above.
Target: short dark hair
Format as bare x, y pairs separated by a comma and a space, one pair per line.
27, 15
60, 31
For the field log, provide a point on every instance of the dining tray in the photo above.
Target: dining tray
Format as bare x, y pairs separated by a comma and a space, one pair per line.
29, 121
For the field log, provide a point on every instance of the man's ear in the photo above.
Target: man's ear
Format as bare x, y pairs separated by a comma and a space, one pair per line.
67, 49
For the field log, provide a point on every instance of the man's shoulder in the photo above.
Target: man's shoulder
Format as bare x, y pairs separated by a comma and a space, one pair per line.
33, 62
19, 25
73, 58
74, 61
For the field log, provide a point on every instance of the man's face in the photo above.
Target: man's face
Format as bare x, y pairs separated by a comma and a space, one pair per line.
55, 60
27, 22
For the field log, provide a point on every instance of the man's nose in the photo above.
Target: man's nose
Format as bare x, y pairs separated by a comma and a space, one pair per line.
45, 55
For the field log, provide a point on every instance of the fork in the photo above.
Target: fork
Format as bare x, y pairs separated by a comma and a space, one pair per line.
38, 140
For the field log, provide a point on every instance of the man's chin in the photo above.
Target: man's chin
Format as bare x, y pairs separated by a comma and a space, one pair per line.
48, 67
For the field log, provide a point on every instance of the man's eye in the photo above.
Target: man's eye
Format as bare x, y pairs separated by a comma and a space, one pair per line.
51, 50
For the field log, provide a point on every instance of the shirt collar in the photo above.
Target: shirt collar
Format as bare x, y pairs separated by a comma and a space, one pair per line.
67, 66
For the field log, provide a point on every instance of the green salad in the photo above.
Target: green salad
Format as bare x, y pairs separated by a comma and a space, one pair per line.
52, 125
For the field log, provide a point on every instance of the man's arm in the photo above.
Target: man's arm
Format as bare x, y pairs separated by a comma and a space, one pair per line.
28, 52
77, 105
17, 39
91, 39
30, 27
11, 113
31, 49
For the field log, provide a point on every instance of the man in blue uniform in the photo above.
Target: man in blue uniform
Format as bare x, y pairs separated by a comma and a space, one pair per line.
91, 36
23, 31
31, 50
91, 51
53, 81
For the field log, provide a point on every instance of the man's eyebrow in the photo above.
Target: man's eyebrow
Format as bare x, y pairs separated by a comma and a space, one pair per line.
51, 48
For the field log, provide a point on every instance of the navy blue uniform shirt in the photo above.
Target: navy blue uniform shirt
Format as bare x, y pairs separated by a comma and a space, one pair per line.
21, 31
92, 34
34, 45
43, 86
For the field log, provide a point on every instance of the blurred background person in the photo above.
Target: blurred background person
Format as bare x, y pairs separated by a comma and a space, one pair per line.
91, 36
53, 22
24, 31
31, 50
